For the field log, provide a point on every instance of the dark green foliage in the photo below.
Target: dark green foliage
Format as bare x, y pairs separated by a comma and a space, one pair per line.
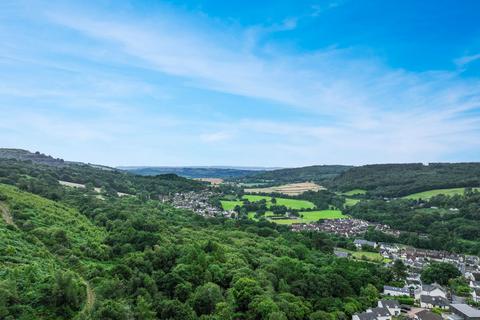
440, 272
44, 179
154, 262
311, 173
396, 180
439, 228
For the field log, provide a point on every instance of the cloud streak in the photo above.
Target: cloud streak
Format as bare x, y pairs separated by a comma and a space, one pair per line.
353, 107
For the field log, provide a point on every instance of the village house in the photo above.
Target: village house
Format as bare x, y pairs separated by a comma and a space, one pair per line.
463, 311
392, 305
430, 302
432, 290
373, 314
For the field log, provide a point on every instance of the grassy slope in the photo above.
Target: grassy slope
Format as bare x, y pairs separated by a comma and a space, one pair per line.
431, 193
361, 255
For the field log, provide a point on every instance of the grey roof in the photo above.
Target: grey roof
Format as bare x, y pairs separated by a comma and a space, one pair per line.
428, 315
381, 312
431, 287
436, 301
397, 289
367, 316
466, 310
390, 303
366, 242
374, 313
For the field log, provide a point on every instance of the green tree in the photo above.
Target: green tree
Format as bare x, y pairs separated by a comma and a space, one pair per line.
206, 297
439, 272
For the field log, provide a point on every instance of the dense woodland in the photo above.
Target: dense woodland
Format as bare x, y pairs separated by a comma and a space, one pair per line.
396, 180
312, 173
69, 253
441, 223
43, 179
140, 259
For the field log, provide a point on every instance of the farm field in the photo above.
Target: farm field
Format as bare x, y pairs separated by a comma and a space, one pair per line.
431, 193
291, 189
308, 216
354, 192
289, 203
351, 202
230, 204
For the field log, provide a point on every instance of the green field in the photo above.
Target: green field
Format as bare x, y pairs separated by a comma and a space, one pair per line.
230, 205
349, 202
289, 203
308, 216
431, 193
354, 192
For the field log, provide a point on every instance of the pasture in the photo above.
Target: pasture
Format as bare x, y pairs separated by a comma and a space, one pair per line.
349, 202
291, 189
289, 203
435, 192
306, 216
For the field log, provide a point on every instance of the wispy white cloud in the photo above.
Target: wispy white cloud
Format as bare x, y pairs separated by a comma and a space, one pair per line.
462, 61
356, 108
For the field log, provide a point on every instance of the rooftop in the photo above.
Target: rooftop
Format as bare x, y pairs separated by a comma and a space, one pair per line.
466, 310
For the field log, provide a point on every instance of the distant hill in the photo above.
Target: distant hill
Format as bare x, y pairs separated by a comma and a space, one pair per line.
312, 173
40, 174
35, 157
396, 180
194, 172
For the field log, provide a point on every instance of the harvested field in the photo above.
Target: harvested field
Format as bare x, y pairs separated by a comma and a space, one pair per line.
212, 181
291, 189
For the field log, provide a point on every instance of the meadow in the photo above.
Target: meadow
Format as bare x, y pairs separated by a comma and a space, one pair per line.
289, 203
305, 216
435, 192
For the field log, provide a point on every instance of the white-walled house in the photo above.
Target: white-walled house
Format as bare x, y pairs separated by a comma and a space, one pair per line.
430, 302
432, 290
395, 291
393, 306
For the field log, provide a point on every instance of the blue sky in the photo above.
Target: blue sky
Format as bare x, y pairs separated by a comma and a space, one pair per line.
251, 83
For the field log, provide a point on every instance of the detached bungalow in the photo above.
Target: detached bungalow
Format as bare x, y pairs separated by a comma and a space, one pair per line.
430, 302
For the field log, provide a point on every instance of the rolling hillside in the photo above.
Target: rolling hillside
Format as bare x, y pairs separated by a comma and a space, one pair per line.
290, 175
396, 180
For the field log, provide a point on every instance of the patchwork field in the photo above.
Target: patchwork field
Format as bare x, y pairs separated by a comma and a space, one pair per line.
291, 189
212, 181
432, 193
